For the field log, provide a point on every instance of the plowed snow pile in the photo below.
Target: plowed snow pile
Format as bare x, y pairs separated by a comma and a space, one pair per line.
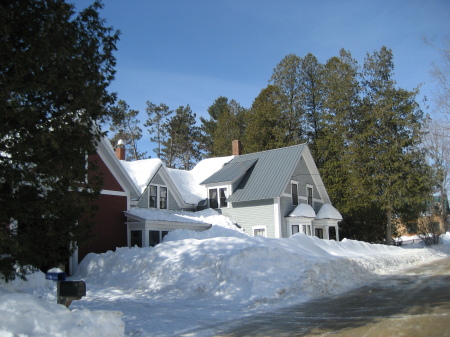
196, 279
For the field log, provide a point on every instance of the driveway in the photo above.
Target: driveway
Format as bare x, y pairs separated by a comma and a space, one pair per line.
415, 302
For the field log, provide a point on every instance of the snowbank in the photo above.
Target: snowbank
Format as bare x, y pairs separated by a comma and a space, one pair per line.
28, 308
232, 266
195, 278
446, 238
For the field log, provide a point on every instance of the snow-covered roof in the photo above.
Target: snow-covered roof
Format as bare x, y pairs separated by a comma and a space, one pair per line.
142, 171
327, 211
303, 211
187, 182
164, 215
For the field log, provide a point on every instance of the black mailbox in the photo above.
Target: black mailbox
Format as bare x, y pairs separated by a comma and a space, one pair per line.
72, 289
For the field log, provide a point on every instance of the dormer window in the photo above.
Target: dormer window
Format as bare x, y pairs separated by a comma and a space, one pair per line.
157, 197
217, 197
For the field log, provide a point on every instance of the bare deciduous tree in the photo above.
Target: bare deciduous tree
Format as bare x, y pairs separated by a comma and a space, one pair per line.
428, 230
437, 142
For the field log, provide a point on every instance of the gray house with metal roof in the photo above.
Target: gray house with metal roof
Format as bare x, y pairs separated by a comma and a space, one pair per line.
274, 193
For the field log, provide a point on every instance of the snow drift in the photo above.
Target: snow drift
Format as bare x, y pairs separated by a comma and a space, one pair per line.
195, 278
235, 267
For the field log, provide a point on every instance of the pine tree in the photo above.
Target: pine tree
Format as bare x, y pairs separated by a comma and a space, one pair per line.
226, 124
55, 68
157, 124
341, 92
266, 127
230, 126
126, 127
390, 167
181, 149
208, 126
311, 98
286, 76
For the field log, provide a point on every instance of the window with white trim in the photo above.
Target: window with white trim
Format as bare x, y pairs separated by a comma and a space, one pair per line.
217, 197
307, 230
157, 197
294, 193
295, 229
155, 237
259, 232
309, 194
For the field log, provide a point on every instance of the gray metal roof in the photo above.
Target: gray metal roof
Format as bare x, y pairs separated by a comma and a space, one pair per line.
270, 174
230, 172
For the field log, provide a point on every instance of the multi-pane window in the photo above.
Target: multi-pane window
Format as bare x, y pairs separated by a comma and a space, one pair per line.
153, 196
309, 191
218, 197
163, 197
259, 232
319, 232
223, 197
307, 230
157, 197
295, 229
213, 202
294, 192
155, 237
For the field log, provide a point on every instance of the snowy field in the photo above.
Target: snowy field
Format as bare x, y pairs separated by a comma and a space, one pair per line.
195, 280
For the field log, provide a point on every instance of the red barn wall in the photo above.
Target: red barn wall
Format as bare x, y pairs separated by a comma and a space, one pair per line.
109, 230
109, 181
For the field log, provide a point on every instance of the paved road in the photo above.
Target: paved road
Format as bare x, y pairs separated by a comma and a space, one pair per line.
414, 303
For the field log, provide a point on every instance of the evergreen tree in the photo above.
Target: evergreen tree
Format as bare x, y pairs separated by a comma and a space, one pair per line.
341, 92
287, 77
230, 126
266, 128
157, 124
181, 149
226, 124
126, 127
209, 126
388, 163
311, 98
55, 67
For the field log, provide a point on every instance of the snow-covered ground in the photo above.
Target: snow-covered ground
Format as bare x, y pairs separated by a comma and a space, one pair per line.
198, 279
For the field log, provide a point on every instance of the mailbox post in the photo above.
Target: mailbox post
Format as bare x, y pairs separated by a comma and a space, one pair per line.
67, 291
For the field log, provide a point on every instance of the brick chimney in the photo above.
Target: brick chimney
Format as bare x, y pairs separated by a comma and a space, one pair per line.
237, 147
120, 150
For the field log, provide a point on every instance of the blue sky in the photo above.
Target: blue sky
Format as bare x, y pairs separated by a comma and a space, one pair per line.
181, 52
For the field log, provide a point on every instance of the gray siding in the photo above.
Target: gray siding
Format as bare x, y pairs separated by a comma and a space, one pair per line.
303, 176
157, 180
172, 203
253, 213
286, 208
143, 201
